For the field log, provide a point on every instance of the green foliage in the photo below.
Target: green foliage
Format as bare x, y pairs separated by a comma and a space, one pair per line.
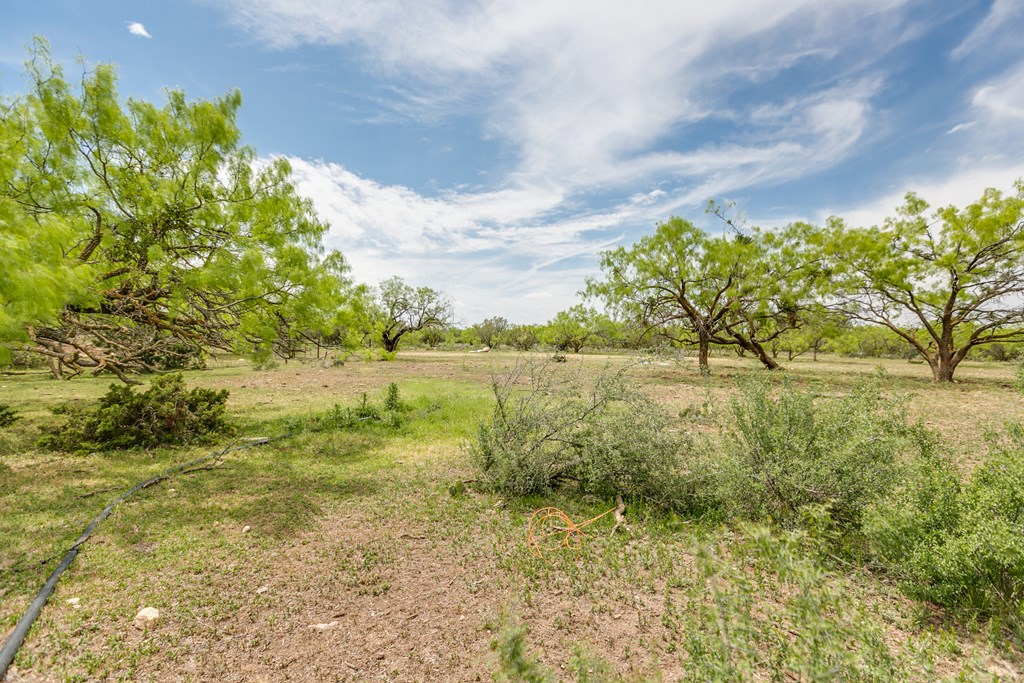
570, 329
492, 331
739, 289
523, 337
601, 438
515, 665
785, 452
130, 227
392, 400
961, 546
400, 309
946, 282
390, 413
8, 416
165, 414
1019, 372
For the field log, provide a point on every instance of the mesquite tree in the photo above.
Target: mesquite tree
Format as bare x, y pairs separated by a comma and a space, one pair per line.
133, 231
737, 289
402, 308
945, 283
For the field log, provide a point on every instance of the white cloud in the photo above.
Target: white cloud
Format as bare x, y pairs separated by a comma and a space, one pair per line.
137, 29
959, 187
961, 127
509, 252
995, 30
586, 89
594, 97
1003, 97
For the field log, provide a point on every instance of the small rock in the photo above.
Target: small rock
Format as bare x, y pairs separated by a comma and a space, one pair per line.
146, 616
324, 627
246, 529
500, 504
261, 590
73, 602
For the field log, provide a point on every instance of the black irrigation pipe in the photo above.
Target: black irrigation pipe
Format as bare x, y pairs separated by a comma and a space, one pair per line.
17, 637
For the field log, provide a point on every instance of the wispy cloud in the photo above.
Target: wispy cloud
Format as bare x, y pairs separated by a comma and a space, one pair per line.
1002, 97
585, 92
1000, 28
137, 29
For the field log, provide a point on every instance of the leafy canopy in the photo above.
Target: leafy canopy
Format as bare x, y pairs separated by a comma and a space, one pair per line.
130, 226
944, 282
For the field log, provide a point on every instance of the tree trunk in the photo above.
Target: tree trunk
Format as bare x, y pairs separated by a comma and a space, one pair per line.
703, 350
764, 357
756, 349
943, 364
390, 343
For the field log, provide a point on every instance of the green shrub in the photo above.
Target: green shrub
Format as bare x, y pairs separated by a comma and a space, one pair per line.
7, 416
959, 546
165, 414
599, 438
782, 453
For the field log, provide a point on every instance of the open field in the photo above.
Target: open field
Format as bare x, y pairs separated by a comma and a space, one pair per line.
359, 562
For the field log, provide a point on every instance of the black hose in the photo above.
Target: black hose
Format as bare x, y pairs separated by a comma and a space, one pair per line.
17, 637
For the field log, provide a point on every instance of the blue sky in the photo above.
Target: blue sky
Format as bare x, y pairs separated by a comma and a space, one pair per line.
492, 148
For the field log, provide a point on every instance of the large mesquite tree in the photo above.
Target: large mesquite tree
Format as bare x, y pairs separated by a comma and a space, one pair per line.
131, 231
741, 289
945, 282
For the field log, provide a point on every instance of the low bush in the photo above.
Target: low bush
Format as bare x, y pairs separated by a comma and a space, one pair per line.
961, 546
7, 416
165, 414
782, 453
551, 429
365, 413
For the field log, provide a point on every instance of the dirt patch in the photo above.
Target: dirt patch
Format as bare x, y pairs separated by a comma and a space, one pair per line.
362, 598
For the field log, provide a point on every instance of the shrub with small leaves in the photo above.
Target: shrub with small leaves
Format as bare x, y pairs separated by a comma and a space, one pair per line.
961, 546
164, 414
794, 449
551, 429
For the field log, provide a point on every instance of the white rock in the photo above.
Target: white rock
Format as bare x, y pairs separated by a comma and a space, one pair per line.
246, 529
324, 627
74, 602
146, 616
261, 590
